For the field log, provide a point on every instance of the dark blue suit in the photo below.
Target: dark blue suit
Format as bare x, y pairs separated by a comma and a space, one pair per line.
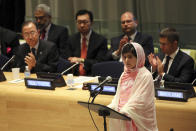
144, 40
59, 36
181, 69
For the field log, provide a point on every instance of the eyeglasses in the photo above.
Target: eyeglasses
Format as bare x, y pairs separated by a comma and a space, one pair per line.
39, 18
82, 22
32, 33
126, 21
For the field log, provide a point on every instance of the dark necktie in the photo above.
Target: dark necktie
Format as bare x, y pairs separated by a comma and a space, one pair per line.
83, 55
166, 64
33, 51
43, 33
129, 38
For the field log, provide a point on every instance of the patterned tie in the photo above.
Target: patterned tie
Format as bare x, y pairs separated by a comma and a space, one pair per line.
166, 64
83, 55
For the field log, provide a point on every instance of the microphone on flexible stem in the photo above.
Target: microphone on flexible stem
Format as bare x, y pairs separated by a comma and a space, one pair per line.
94, 94
68, 69
193, 83
2, 76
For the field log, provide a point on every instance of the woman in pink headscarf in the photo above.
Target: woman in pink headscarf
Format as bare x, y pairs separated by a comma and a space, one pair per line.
135, 93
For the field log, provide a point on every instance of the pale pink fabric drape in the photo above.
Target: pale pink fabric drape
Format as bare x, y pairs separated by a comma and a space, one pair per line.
135, 98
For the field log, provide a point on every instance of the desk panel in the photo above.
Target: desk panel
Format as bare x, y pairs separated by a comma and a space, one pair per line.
23, 109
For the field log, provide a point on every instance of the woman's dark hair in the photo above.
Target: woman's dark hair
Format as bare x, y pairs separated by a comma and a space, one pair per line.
128, 48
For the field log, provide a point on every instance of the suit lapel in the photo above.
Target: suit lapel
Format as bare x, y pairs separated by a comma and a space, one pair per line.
77, 45
90, 44
175, 63
50, 32
39, 50
136, 39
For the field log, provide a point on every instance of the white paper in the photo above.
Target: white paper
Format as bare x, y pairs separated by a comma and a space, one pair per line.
82, 79
17, 81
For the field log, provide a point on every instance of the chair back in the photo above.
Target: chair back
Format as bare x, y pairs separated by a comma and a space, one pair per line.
109, 68
63, 65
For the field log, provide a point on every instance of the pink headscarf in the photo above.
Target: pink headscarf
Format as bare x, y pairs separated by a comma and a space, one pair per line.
140, 57
128, 79
132, 73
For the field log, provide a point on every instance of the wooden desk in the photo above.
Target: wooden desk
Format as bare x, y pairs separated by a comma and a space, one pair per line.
23, 109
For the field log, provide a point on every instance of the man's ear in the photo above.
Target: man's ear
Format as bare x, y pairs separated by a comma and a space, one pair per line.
136, 23
176, 42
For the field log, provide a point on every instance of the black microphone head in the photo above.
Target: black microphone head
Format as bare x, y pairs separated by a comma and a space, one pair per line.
109, 78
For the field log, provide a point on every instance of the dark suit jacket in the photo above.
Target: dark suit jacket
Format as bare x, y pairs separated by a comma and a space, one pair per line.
47, 57
97, 49
8, 38
59, 36
146, 42
181, 70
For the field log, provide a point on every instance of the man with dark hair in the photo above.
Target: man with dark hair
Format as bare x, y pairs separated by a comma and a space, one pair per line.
85, 47
129, 28
48, 30
171, 64
38, 55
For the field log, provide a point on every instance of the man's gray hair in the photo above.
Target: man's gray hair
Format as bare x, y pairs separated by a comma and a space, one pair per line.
43, 7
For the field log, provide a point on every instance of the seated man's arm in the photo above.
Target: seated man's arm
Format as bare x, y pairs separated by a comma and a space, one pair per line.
185, 73
51, 62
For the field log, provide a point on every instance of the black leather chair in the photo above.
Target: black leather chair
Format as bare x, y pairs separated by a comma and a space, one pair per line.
109, 68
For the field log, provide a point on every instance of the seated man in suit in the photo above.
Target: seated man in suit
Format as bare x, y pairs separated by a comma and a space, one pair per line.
48, 30
8, 42
171, 64
38, 55
85, 47
129, 28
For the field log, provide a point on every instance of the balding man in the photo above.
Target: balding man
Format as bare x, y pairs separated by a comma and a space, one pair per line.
48, 30
129, 28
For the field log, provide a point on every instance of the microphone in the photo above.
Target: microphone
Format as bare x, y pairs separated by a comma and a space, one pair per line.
69, 68
193, 83
94, 94
8, 62
108, 79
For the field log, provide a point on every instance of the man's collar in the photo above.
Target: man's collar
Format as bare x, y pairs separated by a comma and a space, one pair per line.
174, 53
48, 27
36, 46
88, 35
132, 36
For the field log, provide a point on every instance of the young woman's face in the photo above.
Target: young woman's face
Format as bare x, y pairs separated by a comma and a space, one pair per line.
129, 60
